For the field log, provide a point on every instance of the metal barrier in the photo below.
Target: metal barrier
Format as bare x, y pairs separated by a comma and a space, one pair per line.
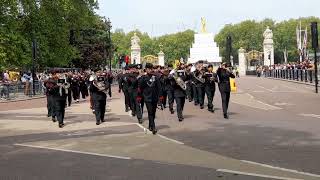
19, 90
300, 75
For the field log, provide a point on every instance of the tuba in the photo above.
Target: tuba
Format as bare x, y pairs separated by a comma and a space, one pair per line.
63, 84
180, 82
99, 83
200, 78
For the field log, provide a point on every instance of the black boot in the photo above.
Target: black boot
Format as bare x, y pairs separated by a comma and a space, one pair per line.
154, 131
226, 116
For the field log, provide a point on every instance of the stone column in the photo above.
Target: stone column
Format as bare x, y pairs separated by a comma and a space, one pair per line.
135, 50
242, 62
268, 48
161, 58
136, 55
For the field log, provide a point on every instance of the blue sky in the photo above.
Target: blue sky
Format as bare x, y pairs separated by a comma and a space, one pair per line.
157, 17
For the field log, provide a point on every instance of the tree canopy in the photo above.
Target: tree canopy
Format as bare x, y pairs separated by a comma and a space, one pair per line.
175, 46
249, 35
49, 23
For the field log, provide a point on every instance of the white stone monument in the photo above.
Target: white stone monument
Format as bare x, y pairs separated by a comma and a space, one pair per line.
204, 48
242, 62
135, 50
268, 47
161, 58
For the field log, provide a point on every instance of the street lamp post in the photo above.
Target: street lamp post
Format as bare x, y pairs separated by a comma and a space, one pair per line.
108, 22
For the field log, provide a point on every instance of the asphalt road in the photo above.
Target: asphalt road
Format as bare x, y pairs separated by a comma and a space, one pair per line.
271, 122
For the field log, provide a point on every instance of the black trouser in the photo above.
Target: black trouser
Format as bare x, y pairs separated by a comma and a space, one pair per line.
100, 109
170, 94
126, 99
210, 94
60, 106
180, 101
165, 95
195, 94
139, 109
76, 92
152, 108
225, 96
69, 97
50, 106
189, 91
84, 92
133, 105
201, 95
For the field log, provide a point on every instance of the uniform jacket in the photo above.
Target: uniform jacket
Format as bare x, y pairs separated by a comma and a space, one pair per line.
224, 79
149, 87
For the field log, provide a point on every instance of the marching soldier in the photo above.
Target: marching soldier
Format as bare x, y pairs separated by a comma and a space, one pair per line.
75, 88
178, 79
83, 87
199, 85
49, 86
69, 80
168, 88
149, 87
60, 98
136, 107
98, 89
123, 86
189, 90
210, 87
132, 87
224, 75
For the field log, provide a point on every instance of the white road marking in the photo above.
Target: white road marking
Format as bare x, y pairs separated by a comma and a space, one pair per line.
310, 115
274, 107
161, 136
309, 87
282, 169
258, 91
142, 127
71, 151
252, 97
256, 175
265, 88
255, 107
38, 116
169, 139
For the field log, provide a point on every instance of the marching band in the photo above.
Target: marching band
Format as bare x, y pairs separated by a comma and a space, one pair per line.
143, 85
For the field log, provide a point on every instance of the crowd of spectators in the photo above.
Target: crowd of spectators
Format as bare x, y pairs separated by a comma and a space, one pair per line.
306, 65
22, 82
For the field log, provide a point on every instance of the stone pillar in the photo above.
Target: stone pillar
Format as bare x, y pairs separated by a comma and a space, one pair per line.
161, 58
135, 56
242, 62
268, 48
135, 50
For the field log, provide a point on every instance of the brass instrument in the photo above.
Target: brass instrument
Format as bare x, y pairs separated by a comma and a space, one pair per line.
210, 76
200, 77
63, 84
180, 82
99, 83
